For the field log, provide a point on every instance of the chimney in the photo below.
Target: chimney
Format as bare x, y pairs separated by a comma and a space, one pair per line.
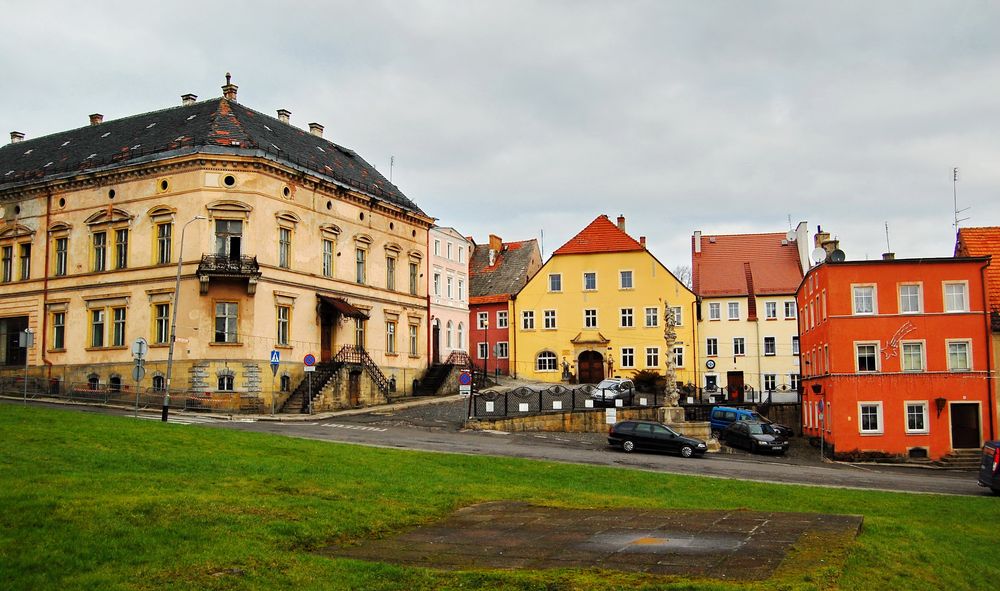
283, 115
821, 237
621, 222
642, 241
697, 241
229, 90
316, 129
189, 99
16, 136
96, 119
888, 256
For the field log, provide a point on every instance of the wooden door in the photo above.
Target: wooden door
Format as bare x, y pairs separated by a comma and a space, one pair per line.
354, 388
734, 386
436, 343
326, 338
590, 367
965, 426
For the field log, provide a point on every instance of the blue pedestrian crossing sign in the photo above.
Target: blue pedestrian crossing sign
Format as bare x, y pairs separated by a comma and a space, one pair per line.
275, 360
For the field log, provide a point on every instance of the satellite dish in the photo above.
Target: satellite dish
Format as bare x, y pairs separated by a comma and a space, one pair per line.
790, 236
838, 256
818, 255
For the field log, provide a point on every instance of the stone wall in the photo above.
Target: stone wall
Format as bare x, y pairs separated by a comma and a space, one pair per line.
590, 421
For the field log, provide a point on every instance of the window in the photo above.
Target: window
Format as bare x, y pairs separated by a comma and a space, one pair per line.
555, 282
626, 318
789, 310
413, 279
589, 281
678, 356
449, 250
327, 258
864, 299
121, 248
226, 383
678, 317
795, 345
228, 238
225, 322
625, 279
163, 233
913, 357
501, 318
771, 310
739, 346
793, 381
449, 281
869, 417
590, 318
413, 339
62, 245
437, 284
483, 350
359, 333
652, 317
909, 299
503, 351
118, 327
712, 347
628, 357
867, 354
8, 263
549, 317
390, 274
770, 348
25, 261
359, 266
461, 254
916, 417
100, 251
161, 323
285, 383
159, 383
97, 328
528, 320
958, 356
954, 297
734, 311
390, 337
715, 311
461, 290
284, 315
437, 248
58, 330
652, 356
449, 330
546, 361
770, 382
482, 320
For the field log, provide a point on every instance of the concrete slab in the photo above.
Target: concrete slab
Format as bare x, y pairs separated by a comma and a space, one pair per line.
730, 545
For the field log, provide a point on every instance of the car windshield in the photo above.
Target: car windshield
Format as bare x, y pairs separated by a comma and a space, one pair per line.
760, 429
607, 385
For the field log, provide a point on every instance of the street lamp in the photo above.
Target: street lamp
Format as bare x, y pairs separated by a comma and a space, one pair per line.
173, 315
486, 360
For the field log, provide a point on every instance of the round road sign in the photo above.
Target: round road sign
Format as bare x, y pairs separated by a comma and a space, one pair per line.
465, 378
309, 359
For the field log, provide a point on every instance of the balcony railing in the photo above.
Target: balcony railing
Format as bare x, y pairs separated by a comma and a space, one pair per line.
228, 267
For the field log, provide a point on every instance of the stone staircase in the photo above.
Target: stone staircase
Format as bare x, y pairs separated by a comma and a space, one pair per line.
962, 459
433, 379
297, 402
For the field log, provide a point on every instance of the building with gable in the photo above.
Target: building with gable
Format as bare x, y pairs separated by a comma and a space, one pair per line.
980, 242
497, 271
449, 293
281, 239
747, 321
598, 308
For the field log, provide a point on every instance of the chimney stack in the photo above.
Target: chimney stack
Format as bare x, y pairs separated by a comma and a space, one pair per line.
284, 115
642, 241
96, 119
189, 99
316, 129
621, 222
697, 241
888, 256
821, 237
229, 90
495, 243
16, 136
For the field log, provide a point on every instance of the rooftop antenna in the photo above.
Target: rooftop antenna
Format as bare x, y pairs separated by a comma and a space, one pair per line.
789, 221
541, 243
954, 191
887, 247
392, 162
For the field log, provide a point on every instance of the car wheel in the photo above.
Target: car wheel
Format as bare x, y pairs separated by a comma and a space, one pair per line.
628, 446
996, 491
687, 451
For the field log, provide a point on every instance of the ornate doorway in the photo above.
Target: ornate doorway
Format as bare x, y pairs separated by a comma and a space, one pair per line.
590, 367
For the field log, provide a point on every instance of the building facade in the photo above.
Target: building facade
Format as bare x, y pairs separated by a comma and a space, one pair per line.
449, 293
978, 242
896, 356
598, 307
281, 241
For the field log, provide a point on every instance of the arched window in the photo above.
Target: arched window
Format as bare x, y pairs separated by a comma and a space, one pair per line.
447, 339
286, 383
546, 361
159, 383
115, 383
461, 335
93, 381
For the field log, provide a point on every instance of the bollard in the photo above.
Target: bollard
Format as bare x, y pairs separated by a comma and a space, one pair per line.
166, 407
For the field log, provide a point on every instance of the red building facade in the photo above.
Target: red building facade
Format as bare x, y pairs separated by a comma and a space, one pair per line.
896, 356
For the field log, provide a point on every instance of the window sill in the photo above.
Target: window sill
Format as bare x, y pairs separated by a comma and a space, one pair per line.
215, 344
412, 356
962, 370
159, 345
388, 354
870, 433
117, 348
918, 432
288, 347
61, 350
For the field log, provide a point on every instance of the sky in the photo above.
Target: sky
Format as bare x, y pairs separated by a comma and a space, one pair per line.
530, 119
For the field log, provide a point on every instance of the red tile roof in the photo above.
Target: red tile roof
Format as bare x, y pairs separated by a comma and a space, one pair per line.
727, 264
602, 235
984, 241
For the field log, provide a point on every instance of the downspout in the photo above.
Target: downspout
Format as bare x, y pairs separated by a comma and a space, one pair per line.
989, 352
695, 346
427, 297
511, 329
45, 285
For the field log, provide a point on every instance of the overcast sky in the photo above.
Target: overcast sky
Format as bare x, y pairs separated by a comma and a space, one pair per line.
521, 117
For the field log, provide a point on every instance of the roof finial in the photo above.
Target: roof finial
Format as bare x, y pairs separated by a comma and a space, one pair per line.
229, 90
228, 78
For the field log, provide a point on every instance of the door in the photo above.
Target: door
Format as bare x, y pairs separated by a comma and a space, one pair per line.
326, 337
664, 440
436, 343
965, 426
734, 386
354, 388
590, 367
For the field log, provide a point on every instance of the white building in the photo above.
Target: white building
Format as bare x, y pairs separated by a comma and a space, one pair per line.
448, 289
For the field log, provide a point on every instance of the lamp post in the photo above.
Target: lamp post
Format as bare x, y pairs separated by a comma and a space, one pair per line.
486, 360
173, 316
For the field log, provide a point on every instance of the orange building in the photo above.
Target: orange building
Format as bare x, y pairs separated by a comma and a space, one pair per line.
897, 356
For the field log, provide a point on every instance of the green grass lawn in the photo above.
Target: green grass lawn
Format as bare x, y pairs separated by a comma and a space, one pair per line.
98, 502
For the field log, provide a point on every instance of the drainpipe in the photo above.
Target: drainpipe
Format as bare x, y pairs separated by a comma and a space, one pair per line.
512, 355
695, 346
45, 285
989, 351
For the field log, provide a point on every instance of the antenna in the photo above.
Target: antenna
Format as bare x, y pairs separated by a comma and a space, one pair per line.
954, 191
789, 222
887, 247
392, 161
541, 243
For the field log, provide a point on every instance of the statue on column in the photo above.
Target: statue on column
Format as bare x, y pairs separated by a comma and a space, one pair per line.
670, 336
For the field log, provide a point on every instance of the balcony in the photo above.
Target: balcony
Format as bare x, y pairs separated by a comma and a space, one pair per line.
228, 268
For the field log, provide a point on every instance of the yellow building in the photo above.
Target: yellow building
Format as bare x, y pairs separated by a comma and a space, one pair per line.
597, 309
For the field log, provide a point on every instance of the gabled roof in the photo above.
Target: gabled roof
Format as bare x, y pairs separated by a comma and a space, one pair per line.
214, 126
985, 241
738, 264
508, 273
602, 235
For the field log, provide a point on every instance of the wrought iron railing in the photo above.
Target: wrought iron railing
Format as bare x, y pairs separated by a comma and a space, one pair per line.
358, 356
493, 404
220, 264
460, 358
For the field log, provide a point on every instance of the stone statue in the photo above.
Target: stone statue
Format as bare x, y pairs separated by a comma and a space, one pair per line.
670, 336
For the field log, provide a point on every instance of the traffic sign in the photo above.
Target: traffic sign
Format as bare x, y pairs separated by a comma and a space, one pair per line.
140, 347
138, 372
309, 360
465, 378
275, 357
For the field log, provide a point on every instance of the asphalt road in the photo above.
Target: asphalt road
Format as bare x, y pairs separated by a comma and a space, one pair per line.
437, 428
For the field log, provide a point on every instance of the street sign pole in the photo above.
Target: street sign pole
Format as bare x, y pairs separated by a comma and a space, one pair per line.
275, 360
28, 341
310, 390
139, 349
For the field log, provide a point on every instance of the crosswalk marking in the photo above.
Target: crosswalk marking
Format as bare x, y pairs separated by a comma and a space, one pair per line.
355, 427
183, 420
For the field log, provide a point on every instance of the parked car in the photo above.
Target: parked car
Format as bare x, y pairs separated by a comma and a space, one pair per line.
755, 437
723, 416
612, 389
653, 436
989, 467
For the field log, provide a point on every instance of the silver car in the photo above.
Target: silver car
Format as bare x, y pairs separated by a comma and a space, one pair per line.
612, 389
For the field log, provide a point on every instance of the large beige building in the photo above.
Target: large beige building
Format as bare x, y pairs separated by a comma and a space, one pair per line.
290, 243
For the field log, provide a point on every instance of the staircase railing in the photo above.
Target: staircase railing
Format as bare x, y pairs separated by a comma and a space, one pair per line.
460, 358
357, 355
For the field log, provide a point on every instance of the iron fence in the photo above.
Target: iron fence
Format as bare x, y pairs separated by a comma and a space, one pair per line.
493, 404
